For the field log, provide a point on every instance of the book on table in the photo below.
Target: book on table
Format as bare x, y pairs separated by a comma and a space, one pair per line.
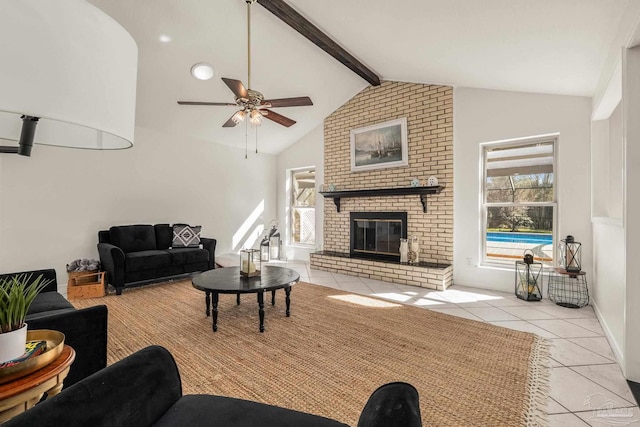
32, 349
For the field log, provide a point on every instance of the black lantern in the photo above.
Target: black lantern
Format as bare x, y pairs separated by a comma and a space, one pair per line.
264, 249
274, 243
528, 278
570, 255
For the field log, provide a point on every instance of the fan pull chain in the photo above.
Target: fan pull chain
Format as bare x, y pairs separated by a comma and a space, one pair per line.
257, 139
246, 138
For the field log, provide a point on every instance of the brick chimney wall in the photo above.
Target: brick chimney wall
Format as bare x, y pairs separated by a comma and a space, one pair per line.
429, 113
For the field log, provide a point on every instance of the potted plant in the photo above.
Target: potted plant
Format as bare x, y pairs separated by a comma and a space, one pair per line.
16, 295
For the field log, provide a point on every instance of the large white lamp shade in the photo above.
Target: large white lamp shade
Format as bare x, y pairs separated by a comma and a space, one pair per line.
72, 66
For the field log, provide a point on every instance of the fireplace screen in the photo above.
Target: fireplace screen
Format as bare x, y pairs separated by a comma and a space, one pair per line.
377, 234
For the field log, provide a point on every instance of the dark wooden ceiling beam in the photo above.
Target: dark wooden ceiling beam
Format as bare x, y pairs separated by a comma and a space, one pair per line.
299, 23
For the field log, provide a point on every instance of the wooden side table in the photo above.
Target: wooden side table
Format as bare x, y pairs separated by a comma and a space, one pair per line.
22, 393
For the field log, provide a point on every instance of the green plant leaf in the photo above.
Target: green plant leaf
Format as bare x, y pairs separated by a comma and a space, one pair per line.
16, 295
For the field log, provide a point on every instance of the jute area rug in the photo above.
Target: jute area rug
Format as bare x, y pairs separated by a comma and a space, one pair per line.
334, 351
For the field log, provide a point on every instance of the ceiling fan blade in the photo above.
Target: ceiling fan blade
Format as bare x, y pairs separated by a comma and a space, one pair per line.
278, 118
236, 87
289, 102
206, 103
229, 123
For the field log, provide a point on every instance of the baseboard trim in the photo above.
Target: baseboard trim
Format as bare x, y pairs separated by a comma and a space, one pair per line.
617, 351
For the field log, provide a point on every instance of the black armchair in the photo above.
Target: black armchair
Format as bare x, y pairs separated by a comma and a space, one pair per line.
144, 389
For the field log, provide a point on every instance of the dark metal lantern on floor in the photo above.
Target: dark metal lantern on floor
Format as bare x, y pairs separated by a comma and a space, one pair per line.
570, 253
528, 275
264, 249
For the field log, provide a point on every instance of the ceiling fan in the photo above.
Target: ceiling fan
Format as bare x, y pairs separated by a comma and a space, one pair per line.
251, 102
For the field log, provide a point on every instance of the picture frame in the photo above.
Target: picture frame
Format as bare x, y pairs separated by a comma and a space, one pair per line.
380, 146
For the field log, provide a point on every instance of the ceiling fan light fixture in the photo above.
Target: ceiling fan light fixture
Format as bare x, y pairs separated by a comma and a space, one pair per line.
256, 117
250, 102
238, 117
202, 71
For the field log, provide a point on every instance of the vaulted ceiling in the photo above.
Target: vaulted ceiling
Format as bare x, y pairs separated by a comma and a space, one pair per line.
545, 46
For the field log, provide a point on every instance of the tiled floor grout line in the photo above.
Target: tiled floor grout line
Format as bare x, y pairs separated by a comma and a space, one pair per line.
562, 406
605, 387
588, 349
559, 337
585, 364
571, 338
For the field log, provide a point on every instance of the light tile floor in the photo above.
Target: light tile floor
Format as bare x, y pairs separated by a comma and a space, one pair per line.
587, 386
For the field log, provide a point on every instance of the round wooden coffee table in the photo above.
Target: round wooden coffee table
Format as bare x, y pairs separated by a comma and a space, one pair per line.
22, 393
228, 281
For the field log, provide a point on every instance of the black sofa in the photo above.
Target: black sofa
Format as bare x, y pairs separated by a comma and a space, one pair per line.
134, 255
144, 389
85, 330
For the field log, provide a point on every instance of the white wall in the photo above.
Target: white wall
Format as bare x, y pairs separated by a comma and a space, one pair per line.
631, 211
309, 151
616, 170
607, 165
55, 202
600, 168
488, 115
614, 140
608, 284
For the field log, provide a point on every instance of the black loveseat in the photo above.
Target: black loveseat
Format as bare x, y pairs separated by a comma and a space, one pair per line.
138, 254
85, 330
144, 389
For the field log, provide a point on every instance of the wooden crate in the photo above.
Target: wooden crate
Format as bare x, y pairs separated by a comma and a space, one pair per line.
83, 284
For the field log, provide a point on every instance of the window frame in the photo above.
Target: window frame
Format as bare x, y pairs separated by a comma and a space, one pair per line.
291, 207
484, 205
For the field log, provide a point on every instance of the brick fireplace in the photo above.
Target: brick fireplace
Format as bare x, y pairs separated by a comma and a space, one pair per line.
429, 113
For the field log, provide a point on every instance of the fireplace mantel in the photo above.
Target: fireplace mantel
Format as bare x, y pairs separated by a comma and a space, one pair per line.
381, 192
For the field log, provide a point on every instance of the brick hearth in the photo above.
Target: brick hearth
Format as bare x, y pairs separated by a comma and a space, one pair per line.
425, 275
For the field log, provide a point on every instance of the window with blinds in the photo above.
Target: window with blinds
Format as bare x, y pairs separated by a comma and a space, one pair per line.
519, 200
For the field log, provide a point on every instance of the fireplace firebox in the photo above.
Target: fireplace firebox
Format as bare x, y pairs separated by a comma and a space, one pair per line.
377, 235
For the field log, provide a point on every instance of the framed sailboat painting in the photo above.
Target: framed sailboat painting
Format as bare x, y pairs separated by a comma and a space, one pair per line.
383, 145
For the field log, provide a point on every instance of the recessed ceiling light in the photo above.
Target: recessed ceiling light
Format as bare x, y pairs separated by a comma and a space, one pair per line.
164, 38
202, 71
